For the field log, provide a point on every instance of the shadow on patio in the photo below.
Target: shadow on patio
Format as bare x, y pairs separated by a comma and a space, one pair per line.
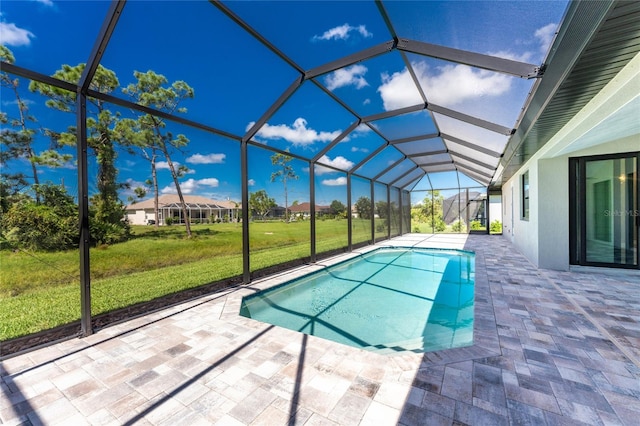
550, 347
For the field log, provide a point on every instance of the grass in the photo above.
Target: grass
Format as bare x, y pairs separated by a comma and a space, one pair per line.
39, 291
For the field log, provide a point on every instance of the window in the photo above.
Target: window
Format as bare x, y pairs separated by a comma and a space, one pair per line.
524, 196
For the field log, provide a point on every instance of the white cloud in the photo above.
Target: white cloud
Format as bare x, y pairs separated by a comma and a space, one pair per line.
251, 182
453, 84
11, 35
366, 101
190, 186
206, 159
298, 134
341, 181
447, 85
209, 182
545, 36
135, 183
339, 162
356, 149
343, 32
132, 184
26, 102
163, 165
350, 76
45, 2
398, 90
359, 131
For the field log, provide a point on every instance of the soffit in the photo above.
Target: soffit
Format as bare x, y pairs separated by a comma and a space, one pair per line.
614, 42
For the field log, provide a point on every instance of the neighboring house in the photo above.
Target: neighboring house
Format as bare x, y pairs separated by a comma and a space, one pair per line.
201, 209
354, 211
304, 210
274, 212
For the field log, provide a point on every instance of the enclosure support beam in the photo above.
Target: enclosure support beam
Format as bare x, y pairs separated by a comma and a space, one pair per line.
158, 113
405, 174
428, 153
472, 160
82, 146
273, 108
368, 157
312, 208
336, 141
248, 28
372, 213
466, 218
474, 175
392, 166
415, 138
363, 55
83, 213
349, 215
491, 63
474, 170
246, 270
470, 119
467, 144
394, 113
439, 163
32, 75
417, 181
401, 210
388, 212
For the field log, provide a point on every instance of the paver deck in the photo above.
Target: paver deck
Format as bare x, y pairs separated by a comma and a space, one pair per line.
549, 348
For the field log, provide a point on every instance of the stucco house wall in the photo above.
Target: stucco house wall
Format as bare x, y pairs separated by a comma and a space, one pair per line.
597, 129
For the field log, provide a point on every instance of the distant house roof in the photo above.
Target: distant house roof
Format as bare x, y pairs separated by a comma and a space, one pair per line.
193, 201
306, 207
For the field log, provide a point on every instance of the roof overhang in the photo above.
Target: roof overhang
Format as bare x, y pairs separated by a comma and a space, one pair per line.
595, 41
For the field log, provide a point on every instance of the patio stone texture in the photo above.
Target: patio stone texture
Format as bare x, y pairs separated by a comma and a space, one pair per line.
550, 347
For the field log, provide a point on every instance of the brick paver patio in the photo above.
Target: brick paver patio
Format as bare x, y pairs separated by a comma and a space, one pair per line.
549, 348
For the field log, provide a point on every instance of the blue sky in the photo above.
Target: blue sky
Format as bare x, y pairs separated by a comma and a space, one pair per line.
236, 78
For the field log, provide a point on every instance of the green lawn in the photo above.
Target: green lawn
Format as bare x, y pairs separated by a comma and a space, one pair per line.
41, 290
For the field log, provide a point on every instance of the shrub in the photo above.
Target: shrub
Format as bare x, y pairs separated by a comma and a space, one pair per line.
108, 233
168, 221
458, 226
40, 227
475, 225
495, 227
48, 224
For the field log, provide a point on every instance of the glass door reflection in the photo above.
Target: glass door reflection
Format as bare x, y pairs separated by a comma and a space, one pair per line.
610, 212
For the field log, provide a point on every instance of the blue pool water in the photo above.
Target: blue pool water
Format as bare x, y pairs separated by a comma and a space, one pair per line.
388, 300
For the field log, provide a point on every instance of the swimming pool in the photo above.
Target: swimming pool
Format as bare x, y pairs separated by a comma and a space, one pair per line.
388, 300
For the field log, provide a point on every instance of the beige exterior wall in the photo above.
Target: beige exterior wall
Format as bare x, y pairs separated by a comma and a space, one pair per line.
139, 217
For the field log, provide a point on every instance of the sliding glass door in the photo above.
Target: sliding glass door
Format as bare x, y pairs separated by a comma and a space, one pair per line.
604, 210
